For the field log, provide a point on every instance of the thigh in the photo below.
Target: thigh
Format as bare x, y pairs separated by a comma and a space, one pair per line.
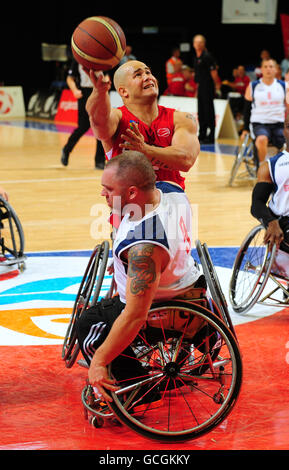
261, 130
277, 137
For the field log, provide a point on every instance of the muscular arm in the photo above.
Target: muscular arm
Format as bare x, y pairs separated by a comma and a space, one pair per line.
183, 152
259, 209
145, 263
103, 118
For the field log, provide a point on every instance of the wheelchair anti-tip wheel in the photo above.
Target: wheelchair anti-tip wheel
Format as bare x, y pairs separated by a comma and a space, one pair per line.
11, 237
87, 296
251, 270
184, 377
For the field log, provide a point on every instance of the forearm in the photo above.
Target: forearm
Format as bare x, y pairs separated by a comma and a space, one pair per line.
174, 157
259, 208
99, 110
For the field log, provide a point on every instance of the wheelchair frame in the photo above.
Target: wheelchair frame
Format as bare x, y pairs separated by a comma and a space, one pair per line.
12, 249
246, 154
194, 364
253, 258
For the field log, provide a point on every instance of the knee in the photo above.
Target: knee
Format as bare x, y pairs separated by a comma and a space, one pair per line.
261, 140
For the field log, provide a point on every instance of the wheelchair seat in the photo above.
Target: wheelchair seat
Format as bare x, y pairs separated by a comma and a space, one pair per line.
11, 237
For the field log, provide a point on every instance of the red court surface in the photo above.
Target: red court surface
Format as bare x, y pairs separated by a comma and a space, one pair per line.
41, 407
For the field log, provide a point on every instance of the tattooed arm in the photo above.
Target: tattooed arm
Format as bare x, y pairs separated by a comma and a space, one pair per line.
145, 264
180, 155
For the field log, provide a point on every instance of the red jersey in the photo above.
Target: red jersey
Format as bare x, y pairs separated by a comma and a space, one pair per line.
241, 84
159, 134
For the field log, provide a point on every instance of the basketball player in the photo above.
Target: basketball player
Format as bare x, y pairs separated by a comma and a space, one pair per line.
167, 137
264, 110
273, 183
150, 262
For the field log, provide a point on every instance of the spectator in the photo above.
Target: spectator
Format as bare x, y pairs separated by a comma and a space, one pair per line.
239, 85
285, 64
191, 86
264, 54
177, 81
170, 64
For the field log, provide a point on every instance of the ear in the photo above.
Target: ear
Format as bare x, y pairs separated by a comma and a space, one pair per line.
132, 193
123, 92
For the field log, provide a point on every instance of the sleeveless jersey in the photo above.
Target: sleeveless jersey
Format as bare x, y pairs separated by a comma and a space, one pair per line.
268, 105
168, 226
279, 171
159, 134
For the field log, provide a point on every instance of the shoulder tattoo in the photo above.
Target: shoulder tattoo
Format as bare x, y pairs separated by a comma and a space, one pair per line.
141, 268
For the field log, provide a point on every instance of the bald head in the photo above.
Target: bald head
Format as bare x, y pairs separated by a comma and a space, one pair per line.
120, 75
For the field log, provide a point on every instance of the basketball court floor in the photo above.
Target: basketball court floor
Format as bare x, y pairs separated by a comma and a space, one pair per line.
63, 218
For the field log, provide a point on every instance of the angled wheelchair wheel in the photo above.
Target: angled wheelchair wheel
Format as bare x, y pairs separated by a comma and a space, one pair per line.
87, 296
251, 270
11, 236
245, 155
185, 375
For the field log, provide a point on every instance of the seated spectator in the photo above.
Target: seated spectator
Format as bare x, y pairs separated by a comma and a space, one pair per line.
177, 81
171, 62
191, 87
238, 87
264, 55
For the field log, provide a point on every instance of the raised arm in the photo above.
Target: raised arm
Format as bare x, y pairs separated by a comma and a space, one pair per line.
103, 118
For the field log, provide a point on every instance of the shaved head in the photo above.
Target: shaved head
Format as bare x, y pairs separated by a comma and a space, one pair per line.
120, 74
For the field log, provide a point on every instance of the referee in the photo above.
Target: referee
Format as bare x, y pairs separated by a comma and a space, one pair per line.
81, 87
206, 75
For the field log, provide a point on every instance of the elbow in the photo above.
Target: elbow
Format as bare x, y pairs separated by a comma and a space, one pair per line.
188, 162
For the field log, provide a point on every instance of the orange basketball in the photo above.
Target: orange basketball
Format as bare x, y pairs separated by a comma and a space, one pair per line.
98, 43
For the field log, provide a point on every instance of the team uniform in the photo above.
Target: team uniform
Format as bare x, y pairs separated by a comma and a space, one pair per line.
159, 134
279, 205
178, 277
268, 110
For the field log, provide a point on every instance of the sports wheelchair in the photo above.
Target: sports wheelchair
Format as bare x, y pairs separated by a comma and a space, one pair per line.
11, 237
247, 157
189, 354
257, 271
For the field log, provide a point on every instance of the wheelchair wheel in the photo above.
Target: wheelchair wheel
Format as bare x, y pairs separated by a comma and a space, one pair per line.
191, 374
87, 296
220, 305
246, 154
250, 271
11, 236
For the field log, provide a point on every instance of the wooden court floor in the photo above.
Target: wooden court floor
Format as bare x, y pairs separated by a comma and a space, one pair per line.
61, 208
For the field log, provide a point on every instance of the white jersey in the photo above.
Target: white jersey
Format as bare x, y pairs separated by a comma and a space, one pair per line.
168, 226
279, 171
268, 105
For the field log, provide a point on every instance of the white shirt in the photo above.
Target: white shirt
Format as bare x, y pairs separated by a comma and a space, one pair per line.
168, 226
279, 171
268, 106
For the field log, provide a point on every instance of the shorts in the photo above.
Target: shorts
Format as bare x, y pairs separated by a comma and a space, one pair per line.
274, 132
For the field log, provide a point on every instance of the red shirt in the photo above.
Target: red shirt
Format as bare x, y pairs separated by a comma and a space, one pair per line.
177, 85
159, 134
241, 84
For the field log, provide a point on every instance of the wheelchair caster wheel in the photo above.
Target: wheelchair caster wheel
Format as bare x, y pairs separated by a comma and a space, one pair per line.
97, 421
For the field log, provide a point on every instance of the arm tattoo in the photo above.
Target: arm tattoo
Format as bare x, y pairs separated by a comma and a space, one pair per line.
141, 268
190, 116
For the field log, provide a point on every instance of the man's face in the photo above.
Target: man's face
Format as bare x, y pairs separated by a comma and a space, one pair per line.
140, 84
199, 43
268, 69
112, 190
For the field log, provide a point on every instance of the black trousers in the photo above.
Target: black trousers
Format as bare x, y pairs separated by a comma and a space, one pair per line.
92, 329
82, 127
206, 112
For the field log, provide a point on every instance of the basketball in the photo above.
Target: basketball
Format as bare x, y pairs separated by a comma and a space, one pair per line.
98, 43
